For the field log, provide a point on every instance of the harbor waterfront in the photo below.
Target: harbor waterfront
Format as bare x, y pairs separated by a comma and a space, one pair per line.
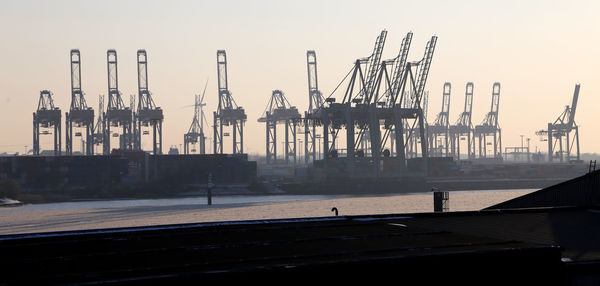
128, 213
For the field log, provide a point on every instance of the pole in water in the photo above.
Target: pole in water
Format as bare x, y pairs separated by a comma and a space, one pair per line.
440, 200
209, 186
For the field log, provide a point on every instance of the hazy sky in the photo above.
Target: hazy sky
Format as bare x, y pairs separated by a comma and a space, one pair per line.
538, 50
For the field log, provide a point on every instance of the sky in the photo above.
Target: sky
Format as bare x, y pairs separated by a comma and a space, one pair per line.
537, 50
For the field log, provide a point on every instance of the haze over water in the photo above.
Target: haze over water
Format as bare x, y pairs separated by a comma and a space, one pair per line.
128, 213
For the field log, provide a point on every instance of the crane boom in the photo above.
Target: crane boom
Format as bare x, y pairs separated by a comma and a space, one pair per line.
225, 100
442, 118
77, 100
424, 67
495, 103
145, 100
465, 117
114, 97
573, 108
315, 98
400, 67
374, 64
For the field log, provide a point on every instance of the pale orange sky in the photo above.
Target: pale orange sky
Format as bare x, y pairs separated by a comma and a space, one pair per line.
538, 50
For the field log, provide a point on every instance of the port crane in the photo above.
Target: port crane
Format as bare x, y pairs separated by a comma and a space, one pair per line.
279, 110
490, 128
195, 133
315, 102
47, 116
79, 113
117, 114
392, 85
228, 113
354, 108
438, 136
563, 130
412, 114
148, 114
463, 129
364, 107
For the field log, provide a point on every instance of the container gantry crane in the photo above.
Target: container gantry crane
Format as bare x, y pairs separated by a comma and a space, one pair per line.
354, 108
79, 113
48, 117
559, 132
117, 114
315, 102
195, 133
392, 84
228, 113
490, 128
364, 107
463, 129
411, 114
148, 114
438, 132
279, 110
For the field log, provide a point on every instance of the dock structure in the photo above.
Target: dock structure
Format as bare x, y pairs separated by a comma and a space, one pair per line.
552, 229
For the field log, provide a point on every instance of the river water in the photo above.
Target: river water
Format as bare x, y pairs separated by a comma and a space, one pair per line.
128, 213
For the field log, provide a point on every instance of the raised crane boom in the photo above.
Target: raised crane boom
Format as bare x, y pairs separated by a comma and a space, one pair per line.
399, 68
225, 99
315, 98
465, 117
145, 99
77, 99
442, 118
492, 117
573, 108
424, 66
374, 65
114, 96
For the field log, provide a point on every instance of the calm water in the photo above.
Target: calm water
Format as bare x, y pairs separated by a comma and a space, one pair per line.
127, 213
